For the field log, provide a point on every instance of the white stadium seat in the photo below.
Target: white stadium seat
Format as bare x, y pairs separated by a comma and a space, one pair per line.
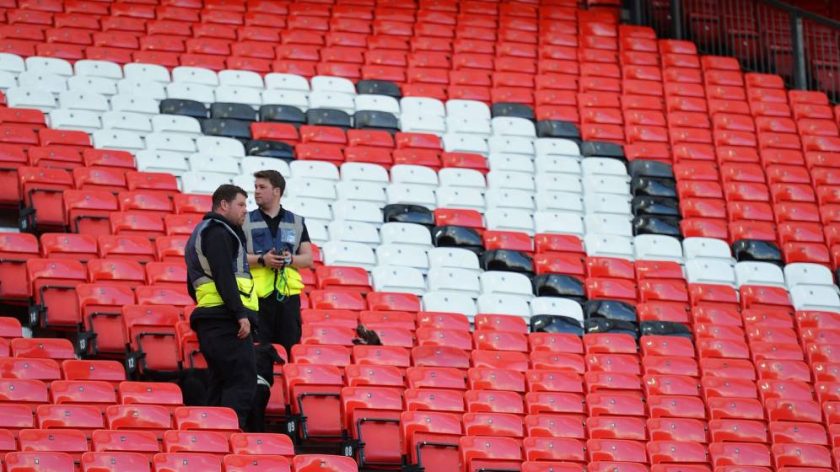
511, 145
25, 97
82, 120
558, 307
286, 82
603, 166
456, 177
190, 91
49, 65
171, 142
710, 271
510, 180
815, 297
468, 108
609, 203
558, 183
398, 279
607, 184
354, 231
460, 197
511, 163
500, 304
406, 233
559, 201
202, 182
411, 174
654, 247
146, 72
449, 302
759, 273
332, 100
240, 78
118, 139
608, 245
311, 188
363, 172
508, 283
454, 280
220, 146
467, 125
512, 126
343, 253
505, 219
558, 222
556, 147
801, 273
403, 255
603, 223
332, 84
312, 209
43, 81
454, 142
377, 103
139, 88
295, 98
232, 94
557, 165
252, 164
126, 120
499, 198
93, 84
135, 104
81, 100
418, 123
422, 106
362, 191
454, 258
12, 63
176, 124
314, 170
162, 161
105, 69
411, 194
355, 210
707, 248
214, 163
195, 75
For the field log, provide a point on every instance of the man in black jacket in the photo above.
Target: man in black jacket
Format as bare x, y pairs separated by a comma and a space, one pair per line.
219, 280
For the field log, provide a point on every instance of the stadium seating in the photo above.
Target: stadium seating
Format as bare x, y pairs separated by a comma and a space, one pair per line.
580, 245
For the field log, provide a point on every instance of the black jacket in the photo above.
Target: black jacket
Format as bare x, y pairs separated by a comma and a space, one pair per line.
220, 248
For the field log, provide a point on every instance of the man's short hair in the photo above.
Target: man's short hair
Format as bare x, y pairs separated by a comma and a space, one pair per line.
273, 177
227, 193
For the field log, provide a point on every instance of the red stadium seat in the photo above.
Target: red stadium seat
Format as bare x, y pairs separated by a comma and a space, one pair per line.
183, 462
317, 462
114, 462
69, 441
26, 461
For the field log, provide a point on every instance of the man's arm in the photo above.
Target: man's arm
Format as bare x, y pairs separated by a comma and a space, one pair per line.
219, 249
303, 258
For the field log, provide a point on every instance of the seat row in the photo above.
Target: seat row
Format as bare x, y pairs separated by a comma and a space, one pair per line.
173, 461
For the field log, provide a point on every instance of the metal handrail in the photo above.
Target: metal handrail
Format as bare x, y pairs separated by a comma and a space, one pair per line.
804, 49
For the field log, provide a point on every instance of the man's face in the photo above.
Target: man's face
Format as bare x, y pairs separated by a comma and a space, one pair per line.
236, 210
264, 193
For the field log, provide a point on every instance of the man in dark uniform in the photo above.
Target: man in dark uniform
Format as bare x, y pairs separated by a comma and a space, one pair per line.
219, 280
278, 245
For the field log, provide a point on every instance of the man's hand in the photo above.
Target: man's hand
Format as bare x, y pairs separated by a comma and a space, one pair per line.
273, 260
287, 258
244, 328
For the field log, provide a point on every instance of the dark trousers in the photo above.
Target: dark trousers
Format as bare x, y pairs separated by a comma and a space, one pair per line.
280, 321
232, 366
